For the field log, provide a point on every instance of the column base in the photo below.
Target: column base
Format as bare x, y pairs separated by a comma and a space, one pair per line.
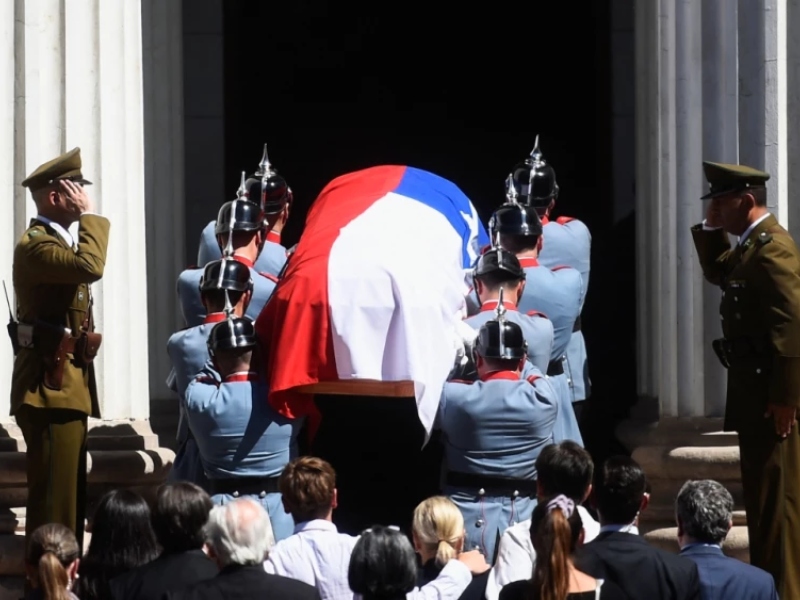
123, 453
674, 450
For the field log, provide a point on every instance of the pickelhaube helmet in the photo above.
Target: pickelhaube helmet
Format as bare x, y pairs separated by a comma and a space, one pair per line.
498, 260
232, 333
226, 274
500, 338
240, 214
535, 180
267, 188
514, 218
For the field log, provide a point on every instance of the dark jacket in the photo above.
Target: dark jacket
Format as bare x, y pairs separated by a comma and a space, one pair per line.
167, 573
725, 578
236, 582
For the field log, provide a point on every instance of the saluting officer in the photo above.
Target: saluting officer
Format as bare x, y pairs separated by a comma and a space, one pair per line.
53, 390
240, 235
565, 241
554, 292
225, 282
498, 273
760, 311
272, 193
244, 444
493, 430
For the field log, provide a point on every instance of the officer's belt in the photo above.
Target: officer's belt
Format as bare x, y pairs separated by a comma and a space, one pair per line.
41, 330
241, 486
728, 351
492, 486
577, 325
555, 367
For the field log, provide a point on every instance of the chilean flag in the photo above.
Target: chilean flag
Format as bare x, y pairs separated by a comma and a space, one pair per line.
374, 289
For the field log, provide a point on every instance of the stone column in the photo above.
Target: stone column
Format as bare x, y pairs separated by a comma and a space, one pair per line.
71, 75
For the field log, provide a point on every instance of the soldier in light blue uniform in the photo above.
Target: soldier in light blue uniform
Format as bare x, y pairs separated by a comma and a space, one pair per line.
244, 444
224, 281
557, 293
493, 430
499, 279
272, 193
246, 220
566, 241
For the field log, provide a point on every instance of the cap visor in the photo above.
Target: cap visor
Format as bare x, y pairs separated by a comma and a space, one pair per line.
710, 195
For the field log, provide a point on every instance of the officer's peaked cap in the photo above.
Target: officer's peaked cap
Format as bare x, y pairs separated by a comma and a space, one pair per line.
726, 178
66, 166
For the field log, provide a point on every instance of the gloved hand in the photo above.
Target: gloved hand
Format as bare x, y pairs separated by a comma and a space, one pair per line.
464, 342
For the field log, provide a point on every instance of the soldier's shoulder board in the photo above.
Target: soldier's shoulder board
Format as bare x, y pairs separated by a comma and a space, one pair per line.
764, 238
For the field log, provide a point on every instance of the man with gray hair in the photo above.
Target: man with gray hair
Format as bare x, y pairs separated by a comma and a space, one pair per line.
704, 512
239, 537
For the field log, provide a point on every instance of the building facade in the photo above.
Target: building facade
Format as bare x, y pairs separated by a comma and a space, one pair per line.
137, 84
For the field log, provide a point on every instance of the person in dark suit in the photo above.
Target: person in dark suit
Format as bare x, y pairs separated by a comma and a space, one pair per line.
180, 513
239, 536
704, 512
619, 554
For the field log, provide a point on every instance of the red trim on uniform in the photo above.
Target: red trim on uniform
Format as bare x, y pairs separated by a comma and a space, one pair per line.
536, 313
491, 306
545, 220
214, 317
192, 267
274, 237
528, 261
559, 267
270, 276
496, 375
244, 260
242, 376
486, 248
564, 220
461, 381
532, 379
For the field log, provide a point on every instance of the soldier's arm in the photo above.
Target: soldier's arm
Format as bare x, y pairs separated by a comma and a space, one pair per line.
779, 285
713, 249
47, 260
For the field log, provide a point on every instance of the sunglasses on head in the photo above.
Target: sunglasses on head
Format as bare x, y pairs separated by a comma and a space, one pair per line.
389, 527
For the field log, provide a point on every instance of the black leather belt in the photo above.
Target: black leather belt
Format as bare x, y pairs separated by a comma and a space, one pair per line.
242, 486
493, 486
555, 367
577, 325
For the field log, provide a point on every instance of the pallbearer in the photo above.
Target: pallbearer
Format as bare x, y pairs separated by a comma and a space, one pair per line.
564, 241
272, 193
240, 232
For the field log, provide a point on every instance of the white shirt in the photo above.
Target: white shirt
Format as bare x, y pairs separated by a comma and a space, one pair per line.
64, 233
748, 231
516, 556
317, 554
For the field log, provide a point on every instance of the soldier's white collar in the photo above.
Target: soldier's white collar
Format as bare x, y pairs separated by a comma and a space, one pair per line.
64, 233
749, 230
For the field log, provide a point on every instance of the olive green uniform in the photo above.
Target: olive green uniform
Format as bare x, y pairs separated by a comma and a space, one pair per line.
760, 312
51, 283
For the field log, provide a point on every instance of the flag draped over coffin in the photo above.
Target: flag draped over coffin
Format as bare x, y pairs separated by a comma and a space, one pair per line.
374, 289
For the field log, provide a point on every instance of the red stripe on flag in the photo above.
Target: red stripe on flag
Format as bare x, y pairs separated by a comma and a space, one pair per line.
294, 328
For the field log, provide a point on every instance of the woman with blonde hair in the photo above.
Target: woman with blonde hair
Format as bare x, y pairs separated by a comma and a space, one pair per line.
438, 533
51, 563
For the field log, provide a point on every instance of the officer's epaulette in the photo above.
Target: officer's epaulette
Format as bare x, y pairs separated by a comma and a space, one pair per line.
764, 238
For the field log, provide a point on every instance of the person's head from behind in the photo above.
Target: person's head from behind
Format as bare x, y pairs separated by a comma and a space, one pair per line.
180, 516
500, 346
308, 489
438, 530
122, 534
704, 512
383, 565
564, 468
620, 491
556, 532
239, 533
52, 559
498, 269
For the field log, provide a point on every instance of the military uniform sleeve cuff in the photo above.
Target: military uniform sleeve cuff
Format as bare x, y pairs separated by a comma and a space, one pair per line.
785, 381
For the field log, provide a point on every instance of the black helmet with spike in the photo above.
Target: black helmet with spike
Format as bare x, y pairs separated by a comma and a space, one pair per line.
535, 180
501, 339
514, 218
232, 333
267, 188
226, 274
497, 260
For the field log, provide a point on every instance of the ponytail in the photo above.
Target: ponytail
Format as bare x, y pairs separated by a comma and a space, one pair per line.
445, 552
52, 578
555, 527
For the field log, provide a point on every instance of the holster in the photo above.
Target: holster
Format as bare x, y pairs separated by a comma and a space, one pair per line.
54, 358
718, 346
13, 333
86, 347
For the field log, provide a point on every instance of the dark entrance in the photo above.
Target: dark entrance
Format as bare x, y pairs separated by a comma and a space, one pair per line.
457, 90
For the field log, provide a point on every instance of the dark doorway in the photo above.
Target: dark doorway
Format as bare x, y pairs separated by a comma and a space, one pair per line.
458, 90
